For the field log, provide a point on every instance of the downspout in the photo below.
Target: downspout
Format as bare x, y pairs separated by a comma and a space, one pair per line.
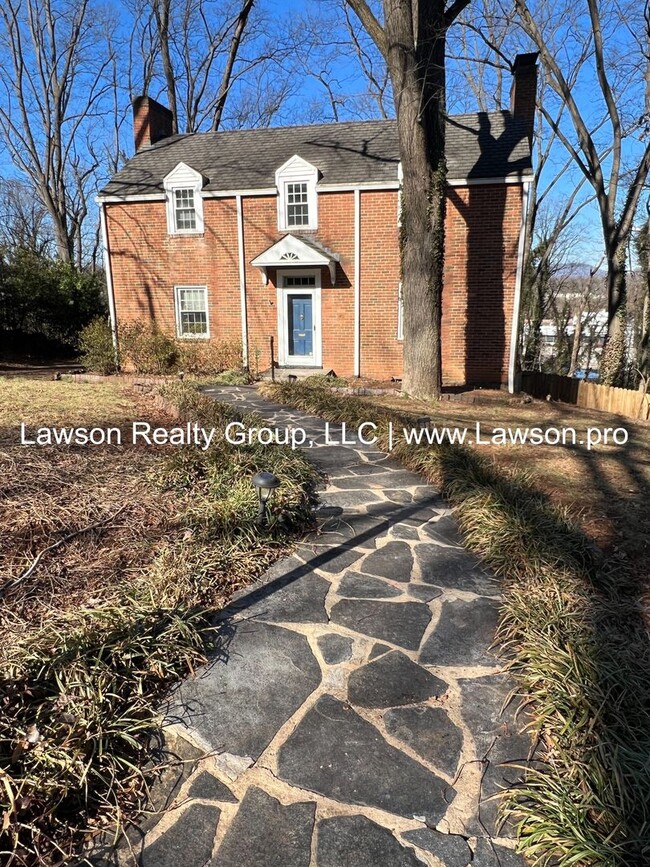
357, 282
516, 312
109, 280
242, 281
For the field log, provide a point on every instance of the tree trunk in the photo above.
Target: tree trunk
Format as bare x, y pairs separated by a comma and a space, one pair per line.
644, 343
577, 337
417, 69
162, 9
235, 42
612, 365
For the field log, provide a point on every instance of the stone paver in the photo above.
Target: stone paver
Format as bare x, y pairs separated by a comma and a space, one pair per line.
356, 716
401, 623
430, 732
337, 753
464, 633
391, 681
354, 841
451, 849
266, 832
189, 840
240, 705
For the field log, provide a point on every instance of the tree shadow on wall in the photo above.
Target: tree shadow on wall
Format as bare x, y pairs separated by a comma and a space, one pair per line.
491, 244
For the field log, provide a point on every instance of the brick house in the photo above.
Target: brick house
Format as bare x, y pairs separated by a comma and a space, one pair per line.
293, 232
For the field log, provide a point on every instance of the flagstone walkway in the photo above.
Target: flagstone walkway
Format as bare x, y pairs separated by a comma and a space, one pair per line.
355, 715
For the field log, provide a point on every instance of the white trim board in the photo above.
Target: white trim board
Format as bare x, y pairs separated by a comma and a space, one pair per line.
521, 255
320, 188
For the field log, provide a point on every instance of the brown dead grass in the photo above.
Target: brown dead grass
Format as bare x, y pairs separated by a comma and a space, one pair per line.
607, 488
50, 493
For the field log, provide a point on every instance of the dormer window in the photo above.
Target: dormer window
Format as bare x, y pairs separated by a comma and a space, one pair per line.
297, 205
184, 210
183, 187
297, 201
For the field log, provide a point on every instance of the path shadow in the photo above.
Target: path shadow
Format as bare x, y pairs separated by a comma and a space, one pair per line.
601, 637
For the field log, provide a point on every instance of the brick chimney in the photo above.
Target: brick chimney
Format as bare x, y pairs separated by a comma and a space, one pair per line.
151, 122
523, 91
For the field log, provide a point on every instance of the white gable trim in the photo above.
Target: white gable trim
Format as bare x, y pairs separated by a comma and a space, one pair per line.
296, 170
289, 251
184, 177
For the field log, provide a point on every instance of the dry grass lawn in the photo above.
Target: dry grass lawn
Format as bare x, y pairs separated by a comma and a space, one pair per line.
49, 493
607, 488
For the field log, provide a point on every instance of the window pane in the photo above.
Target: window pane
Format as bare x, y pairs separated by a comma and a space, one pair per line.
184, 210
193, 314
299, 281
194, 323
297, 205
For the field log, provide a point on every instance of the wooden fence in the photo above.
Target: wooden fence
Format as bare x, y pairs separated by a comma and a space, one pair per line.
587, 395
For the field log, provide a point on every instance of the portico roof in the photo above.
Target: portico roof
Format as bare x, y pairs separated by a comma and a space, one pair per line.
294, 251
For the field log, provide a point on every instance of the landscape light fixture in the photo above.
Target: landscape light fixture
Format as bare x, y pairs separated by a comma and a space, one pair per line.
265, 483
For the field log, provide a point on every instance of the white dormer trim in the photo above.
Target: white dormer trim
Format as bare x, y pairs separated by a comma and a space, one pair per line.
184, 177
290, 251
297, 171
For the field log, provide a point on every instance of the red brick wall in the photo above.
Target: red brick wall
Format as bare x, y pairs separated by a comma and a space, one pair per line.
381, 351
480, 269
336, 231
482, 238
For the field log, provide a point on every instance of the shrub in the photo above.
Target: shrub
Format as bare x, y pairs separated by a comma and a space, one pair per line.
45, 298
324, 380
96, 347
234, 377
204, 358
148, 350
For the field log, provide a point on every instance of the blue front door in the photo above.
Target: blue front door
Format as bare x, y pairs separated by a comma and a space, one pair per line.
301, 326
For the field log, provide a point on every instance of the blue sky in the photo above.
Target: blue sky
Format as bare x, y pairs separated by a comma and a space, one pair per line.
335, 61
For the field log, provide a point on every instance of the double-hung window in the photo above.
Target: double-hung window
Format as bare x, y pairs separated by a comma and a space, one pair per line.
297, 198
192, 311
184, 210
183, 186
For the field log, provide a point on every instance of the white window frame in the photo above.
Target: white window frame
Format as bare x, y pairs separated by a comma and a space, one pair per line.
297, 171
184, 177
400, 313
177, 312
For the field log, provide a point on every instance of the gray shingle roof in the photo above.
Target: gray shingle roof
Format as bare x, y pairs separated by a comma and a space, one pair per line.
478, 146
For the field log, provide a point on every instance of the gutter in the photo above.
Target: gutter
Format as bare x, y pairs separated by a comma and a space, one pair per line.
357, 281
109, 280
242, 280
516, 312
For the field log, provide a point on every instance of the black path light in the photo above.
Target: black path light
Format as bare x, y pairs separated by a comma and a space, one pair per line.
265, 483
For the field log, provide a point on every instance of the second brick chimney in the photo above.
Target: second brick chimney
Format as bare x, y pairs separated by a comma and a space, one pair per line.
523, 92
151, 122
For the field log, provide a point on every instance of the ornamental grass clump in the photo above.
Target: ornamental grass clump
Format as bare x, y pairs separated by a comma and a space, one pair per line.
572, 632
80, 686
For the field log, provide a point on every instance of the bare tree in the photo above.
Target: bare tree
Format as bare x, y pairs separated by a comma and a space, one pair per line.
481, 50
642, 242
194, 51
337, 52
582, 312
53, 64
23, 219
616, 186
412, 40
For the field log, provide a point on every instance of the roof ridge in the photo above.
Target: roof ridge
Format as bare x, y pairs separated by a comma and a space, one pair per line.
385, 121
